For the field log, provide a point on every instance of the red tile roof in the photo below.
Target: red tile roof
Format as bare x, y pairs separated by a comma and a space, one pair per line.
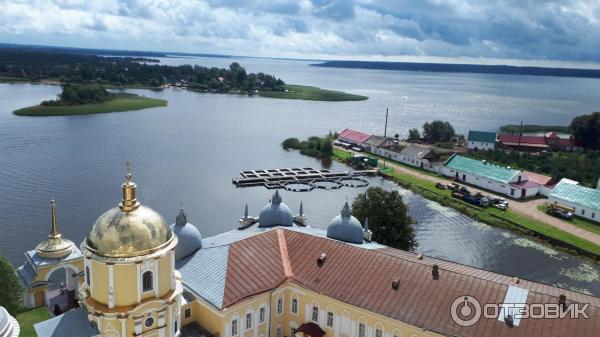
525, 140
523, 185
363, 278
354, 136
539, 178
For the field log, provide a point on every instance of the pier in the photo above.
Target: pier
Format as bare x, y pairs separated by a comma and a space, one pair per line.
302, 179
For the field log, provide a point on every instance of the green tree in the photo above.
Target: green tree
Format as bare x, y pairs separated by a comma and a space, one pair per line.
326, 148
291, 143
438, 131
388, 217
10, 288
413, 135
586, 130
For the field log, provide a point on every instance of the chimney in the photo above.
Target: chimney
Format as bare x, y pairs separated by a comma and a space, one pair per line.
321, 259
562, 301
396, 284
435, 272
508, 319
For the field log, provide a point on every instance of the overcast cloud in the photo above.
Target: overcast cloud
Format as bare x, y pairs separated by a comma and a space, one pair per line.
564, 30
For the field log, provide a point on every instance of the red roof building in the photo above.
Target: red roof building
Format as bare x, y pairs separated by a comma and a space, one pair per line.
550, 140
353, 136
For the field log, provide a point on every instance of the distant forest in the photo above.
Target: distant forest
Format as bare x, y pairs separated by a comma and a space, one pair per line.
463, 68
129, 71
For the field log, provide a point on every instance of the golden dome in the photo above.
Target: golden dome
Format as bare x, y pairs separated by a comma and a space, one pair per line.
55, 247
128, 230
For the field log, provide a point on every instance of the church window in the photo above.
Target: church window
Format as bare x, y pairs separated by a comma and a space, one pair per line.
147, 281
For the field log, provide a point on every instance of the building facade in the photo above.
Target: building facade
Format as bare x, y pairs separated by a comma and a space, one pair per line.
480, 140
584, 201
489, 176
276, 278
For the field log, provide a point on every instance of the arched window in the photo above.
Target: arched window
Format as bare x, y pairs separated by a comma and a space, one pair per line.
87, 276
147, 281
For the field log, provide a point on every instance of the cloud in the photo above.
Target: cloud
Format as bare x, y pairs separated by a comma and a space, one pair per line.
566, 30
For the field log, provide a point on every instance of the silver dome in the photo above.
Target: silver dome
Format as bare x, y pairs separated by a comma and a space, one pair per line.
189, 237
275, 213
345, 227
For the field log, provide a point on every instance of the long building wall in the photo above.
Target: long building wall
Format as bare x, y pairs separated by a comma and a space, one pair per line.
579, 210
287, 308
488, 184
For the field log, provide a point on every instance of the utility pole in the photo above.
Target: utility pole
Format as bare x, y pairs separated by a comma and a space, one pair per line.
386, 119
520, 135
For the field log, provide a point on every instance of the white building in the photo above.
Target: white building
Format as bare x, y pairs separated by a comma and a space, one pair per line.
480, 140
584, 200
492, 177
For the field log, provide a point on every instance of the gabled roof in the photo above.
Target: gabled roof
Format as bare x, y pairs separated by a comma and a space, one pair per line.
482, 169
363, 278
577, 194
532, 141
482, 136
416, 151
353, 135
539, 178
378, 140
73, 323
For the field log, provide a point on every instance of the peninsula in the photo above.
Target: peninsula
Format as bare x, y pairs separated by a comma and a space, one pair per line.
52, 67
84, 100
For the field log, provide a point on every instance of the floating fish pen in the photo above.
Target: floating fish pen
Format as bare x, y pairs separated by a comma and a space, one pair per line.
303, 179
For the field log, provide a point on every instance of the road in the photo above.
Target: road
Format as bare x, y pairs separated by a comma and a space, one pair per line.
527, 208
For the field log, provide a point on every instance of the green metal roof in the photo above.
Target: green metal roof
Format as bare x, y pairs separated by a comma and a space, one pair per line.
577, 194
482, 136
482, 169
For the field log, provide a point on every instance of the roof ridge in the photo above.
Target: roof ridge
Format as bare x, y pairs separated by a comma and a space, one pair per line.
285, 258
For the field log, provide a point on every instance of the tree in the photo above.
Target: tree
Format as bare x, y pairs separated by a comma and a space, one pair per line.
326, 148
388, 217
413, 135
10, 289
586, 130
438, 131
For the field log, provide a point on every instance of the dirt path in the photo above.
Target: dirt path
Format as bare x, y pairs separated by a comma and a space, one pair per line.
528, 208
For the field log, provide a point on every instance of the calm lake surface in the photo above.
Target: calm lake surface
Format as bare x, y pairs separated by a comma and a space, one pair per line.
189, 151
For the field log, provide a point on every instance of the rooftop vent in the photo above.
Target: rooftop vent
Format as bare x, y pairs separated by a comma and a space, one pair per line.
484, 162
435, 272
321, 259
562, 301
508, 319
396, 284
420, 257
516, 280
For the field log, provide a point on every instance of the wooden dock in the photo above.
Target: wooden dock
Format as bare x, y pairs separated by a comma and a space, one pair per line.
302, 179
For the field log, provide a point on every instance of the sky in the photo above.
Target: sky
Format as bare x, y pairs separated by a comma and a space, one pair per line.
479, 31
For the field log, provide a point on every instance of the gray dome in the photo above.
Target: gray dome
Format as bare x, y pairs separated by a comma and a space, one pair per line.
275, 213
189, 237
6, 324
345, 227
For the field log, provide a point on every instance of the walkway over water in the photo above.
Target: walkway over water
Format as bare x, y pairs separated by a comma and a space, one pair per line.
302, 179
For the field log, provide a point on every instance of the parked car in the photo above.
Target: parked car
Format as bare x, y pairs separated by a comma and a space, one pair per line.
503, 207
440, 186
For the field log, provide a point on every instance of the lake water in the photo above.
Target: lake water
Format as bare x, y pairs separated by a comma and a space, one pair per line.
189, 151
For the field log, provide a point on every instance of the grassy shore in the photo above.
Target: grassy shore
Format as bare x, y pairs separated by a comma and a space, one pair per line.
11, 79
29, 318
490, 215
313, 94
119, 103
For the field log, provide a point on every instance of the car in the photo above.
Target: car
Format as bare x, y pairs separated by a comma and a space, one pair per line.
503, 207
440, 186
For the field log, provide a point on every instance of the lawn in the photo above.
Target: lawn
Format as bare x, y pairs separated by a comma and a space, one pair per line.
490, 215
313, 94
29, 318
120, 103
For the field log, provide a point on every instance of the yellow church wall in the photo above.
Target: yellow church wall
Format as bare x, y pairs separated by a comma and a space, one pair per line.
205, 316
164, 273
125, 284
99, 282
44, 272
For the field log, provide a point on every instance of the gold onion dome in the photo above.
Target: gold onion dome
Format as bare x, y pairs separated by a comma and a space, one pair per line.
128, 230
55, 247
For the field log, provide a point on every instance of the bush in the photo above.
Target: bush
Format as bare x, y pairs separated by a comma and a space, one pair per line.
291, 143
10, 288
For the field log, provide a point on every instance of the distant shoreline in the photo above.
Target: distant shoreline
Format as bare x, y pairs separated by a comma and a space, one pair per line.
463, 68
